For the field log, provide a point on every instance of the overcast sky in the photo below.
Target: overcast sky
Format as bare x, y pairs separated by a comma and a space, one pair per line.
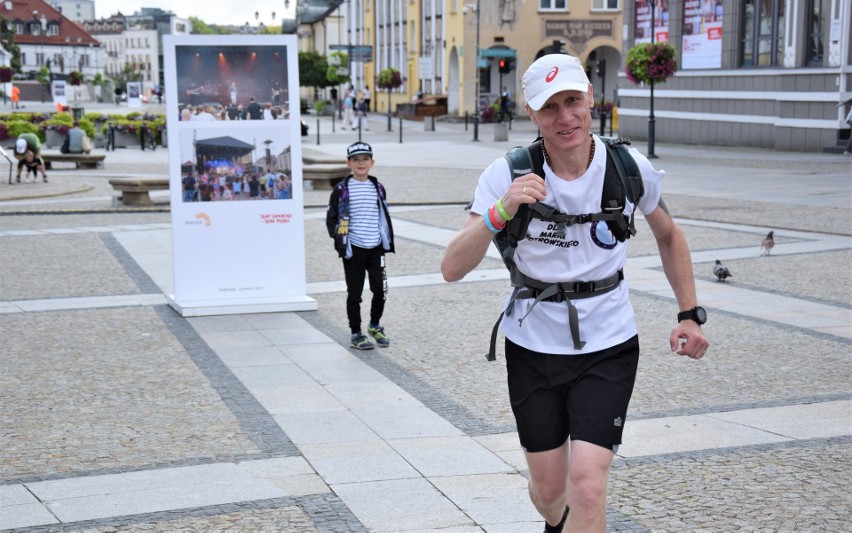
211, 12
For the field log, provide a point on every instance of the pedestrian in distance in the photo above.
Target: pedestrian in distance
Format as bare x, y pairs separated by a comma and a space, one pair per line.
368, 97
505, 103
571, 344
360, 224
16, 97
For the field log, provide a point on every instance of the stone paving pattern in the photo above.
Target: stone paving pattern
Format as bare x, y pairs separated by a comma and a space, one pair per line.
114, 390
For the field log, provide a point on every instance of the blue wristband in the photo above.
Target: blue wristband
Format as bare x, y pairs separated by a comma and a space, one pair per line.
489, 224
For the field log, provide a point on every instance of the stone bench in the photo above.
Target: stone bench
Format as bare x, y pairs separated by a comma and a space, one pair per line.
134, 191
81, 160
324, 176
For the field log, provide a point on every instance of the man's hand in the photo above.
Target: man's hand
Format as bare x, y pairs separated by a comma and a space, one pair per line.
688, 339
527, 189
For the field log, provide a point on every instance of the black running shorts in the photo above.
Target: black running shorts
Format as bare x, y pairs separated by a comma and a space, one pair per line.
584, 396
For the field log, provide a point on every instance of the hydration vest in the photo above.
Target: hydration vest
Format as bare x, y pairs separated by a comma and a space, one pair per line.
622, 183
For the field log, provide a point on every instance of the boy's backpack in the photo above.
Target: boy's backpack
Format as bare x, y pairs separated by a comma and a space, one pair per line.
622, 183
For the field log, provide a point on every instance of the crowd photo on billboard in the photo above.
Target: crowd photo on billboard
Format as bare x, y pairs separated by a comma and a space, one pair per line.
232, 164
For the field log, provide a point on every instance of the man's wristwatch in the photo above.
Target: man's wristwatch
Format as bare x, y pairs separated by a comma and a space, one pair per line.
697, 314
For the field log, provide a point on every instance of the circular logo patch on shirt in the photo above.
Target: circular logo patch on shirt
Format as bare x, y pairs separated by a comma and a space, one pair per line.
601, 235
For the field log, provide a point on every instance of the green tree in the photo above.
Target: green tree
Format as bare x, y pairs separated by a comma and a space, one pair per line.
129, 73
7, 39
199, 27
338, 68
313, 69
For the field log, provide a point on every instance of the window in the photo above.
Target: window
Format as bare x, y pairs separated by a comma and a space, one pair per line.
35, 28
763, 35
552, 5
605, 5
817, 31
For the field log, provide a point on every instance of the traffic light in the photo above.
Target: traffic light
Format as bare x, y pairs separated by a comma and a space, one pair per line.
558, 46
506, 65
601, 68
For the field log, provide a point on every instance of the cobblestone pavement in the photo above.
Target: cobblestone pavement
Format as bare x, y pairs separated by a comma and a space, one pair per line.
116, 390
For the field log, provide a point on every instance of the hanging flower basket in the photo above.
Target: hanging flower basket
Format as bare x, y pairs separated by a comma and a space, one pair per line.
650, 62
6, 74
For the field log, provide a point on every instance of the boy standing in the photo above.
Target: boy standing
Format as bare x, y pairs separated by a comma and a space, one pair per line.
358, 221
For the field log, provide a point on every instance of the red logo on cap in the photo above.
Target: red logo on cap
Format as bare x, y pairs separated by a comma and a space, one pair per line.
552, 74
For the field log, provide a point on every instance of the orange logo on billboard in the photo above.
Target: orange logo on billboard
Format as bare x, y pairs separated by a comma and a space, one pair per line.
204, 217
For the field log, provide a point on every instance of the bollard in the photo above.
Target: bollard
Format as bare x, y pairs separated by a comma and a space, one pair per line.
428, 125
400, 130
501, 132
318, 137
332, 123
465, 121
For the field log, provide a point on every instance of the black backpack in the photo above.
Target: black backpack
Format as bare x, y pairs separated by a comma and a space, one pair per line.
622, 183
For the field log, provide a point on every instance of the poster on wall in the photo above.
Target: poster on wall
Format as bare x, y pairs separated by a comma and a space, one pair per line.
134, 94
59, 91
702, 34
643, 21
236, 194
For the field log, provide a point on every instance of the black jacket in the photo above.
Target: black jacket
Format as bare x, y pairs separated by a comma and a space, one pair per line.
337, 217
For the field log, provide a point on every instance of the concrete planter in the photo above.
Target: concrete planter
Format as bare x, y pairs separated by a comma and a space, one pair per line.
54, 139
124, 139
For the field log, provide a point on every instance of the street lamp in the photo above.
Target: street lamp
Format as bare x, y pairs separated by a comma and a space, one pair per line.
476, 105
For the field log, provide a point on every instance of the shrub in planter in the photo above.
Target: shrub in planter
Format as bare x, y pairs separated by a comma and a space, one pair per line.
87, 126
52, 125
17, 127
96, 117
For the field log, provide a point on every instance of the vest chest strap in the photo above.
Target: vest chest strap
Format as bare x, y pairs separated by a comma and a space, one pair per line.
555, 292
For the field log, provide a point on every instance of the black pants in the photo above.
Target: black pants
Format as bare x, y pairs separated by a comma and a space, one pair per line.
369, 262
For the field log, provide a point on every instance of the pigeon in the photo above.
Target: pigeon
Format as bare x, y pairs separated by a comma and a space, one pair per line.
721, 271
767, 243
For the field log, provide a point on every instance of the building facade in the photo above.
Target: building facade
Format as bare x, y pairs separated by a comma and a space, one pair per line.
76, 10
762, 73
49, 39
135, 41
434, 44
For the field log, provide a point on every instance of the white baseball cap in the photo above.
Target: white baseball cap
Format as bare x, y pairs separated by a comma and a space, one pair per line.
21, 146
551, 74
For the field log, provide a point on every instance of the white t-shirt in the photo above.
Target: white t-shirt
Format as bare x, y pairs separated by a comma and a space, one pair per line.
583, 252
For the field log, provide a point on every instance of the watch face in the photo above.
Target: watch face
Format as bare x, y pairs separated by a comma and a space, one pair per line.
701, 315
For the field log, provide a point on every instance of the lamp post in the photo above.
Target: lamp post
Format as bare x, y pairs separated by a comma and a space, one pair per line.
476, 66
651, 120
